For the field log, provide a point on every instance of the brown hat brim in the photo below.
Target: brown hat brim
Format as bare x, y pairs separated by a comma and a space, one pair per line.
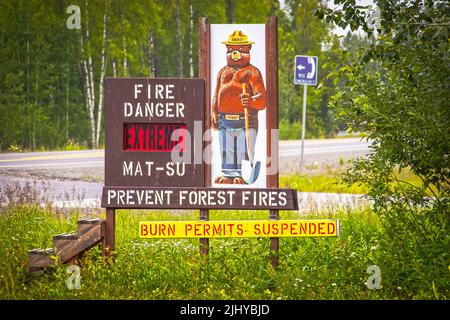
237, 43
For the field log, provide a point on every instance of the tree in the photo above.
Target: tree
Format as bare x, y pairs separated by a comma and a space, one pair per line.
398, 94
301, 33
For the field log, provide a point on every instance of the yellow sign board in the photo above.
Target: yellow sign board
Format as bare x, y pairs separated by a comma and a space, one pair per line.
239, 229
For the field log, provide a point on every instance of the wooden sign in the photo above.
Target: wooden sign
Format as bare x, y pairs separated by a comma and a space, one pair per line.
147, 120
239, 229
199, 198
208, 143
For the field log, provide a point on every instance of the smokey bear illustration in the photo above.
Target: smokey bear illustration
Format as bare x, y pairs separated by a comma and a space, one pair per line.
239, 86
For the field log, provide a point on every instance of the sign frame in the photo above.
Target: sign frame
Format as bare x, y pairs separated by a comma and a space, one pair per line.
204, 47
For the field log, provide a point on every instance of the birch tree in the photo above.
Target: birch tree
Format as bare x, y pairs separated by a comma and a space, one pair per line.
191, 40
179, 38
93, 103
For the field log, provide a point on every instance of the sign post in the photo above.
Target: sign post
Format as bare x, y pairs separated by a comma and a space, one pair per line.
305, 73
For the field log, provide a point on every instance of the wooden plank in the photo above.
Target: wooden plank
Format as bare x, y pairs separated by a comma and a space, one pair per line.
272, 122
39, 259
204, 242
66, 236
109, 240
69, 246
204, 72
199, 198
272, 100
84, 225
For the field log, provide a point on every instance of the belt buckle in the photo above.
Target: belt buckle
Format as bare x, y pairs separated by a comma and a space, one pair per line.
232, 117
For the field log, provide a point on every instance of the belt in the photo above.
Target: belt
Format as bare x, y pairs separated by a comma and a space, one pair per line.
231, 116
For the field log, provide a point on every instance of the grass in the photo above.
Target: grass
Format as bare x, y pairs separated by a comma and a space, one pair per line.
310, 268
324, 178
320, 183
330, 179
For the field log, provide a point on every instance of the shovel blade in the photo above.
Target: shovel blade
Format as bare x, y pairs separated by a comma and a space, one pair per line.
250, 172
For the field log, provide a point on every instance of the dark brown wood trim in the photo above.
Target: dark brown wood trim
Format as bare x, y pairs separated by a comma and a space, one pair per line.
109, 242
204, 72
272, 98
272, 120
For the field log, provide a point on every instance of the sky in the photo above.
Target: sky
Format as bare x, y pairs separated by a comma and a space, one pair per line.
338, 30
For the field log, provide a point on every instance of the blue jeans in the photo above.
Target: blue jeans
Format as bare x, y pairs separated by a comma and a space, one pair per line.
233, 145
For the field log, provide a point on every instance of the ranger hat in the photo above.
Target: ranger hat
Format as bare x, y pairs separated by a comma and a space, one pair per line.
237, 38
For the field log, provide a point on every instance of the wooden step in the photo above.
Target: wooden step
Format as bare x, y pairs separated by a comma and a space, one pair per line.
70, 245
65, 237
85, 224
38, 259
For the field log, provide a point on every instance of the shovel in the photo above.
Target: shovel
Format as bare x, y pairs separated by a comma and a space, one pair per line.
250, 169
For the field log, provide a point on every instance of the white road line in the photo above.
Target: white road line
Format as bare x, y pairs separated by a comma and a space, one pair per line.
322, 150
52, 164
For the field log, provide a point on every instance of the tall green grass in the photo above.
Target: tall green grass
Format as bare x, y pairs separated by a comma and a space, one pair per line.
330, 179
310, 268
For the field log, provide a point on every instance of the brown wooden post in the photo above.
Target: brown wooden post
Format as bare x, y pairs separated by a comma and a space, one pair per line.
204, 242
274, 242
109, 242
272, 119
204, 73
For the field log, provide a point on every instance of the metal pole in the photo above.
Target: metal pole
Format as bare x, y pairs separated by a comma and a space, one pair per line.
303, 128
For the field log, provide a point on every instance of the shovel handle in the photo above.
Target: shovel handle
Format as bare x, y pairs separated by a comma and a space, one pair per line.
247, 129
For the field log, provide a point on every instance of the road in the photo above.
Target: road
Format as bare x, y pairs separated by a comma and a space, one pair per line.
315, 151
80, 173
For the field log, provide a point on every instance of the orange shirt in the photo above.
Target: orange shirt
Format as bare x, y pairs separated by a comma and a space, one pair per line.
229, 87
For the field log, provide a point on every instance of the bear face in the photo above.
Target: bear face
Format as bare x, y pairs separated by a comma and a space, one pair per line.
238, 55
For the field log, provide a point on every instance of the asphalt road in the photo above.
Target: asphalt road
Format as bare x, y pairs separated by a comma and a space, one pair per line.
79, 174
326, 150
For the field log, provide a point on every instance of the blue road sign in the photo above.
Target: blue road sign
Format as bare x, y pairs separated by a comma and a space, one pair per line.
305, 70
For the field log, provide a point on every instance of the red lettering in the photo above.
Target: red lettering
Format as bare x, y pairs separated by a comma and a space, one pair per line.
217, 229
293, 229
171, 229
284, 227
240, 230
152, 137
144, 230
162, 230
187, 228
206, 229
256, 229
274, 228
312, 228
303, 228
264, 228
321, 227
197, 230
333, 228
230, 227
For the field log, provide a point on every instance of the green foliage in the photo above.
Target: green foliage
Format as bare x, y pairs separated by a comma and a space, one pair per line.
42, 79
300, 33
310, 268
321, 183
397, 93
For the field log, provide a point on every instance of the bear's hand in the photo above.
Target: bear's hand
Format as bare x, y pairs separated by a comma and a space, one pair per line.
215, 120
245, 99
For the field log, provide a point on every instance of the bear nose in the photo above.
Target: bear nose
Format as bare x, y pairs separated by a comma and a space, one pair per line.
235, 55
